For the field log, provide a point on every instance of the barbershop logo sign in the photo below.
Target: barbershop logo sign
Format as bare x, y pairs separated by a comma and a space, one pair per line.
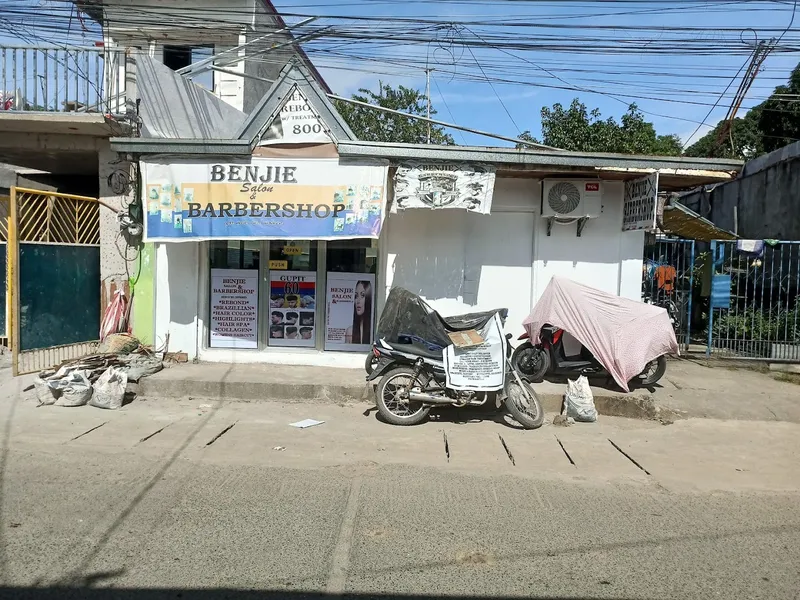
444, 185
263, 199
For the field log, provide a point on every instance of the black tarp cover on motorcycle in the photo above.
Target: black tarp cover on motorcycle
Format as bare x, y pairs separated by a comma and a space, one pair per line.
407, 319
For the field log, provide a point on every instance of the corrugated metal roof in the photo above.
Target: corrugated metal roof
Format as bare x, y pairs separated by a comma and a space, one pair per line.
686, 223
173, 107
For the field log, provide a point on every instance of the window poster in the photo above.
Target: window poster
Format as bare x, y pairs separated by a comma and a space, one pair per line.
234, 308
351, 305
292, 309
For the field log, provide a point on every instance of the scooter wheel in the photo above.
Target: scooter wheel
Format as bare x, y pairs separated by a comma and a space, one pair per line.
527, 411
531, 361
392, 397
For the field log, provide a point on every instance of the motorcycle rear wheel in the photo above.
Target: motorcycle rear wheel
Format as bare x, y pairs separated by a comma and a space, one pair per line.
531, 361
528, 413
653, 371
369, 364
392, 407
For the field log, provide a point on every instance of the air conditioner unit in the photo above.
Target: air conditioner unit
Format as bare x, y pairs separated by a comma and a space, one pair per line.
571, 198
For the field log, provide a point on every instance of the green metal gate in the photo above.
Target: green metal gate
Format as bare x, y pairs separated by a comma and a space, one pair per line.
53, 278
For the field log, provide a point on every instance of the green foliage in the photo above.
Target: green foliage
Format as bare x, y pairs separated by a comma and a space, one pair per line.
379, 126
575, 128
759, 324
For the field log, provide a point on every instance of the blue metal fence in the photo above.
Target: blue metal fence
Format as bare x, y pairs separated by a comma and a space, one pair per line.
668, 281
754, 305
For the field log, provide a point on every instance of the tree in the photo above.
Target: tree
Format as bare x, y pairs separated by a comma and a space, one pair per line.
779, 115
742, 140
378, 126
577, 129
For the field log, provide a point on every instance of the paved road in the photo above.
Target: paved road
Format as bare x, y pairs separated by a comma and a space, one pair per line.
356, 507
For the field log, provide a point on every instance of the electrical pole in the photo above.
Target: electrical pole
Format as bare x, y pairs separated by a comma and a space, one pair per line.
428, 94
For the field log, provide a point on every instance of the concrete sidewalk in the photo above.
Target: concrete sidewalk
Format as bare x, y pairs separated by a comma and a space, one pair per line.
689, 389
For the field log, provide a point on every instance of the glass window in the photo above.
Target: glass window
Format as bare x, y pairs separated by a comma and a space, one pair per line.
299, 255
234, 254
352, 256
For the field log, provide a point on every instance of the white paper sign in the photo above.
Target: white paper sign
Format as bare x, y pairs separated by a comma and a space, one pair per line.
351, 305
234, 308
444, 185
641, 203
292, 308
297, 123
478, 368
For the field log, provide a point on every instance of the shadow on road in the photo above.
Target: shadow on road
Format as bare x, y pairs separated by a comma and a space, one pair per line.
65, 593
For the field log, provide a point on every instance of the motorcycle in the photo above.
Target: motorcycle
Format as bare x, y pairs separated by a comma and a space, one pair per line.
580, 330
551, 357
407, 359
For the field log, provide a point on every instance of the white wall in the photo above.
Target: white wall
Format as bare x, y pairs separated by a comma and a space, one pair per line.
460, 261
604, 257
177, 289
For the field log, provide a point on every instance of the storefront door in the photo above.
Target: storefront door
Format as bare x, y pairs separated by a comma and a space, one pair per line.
293, 294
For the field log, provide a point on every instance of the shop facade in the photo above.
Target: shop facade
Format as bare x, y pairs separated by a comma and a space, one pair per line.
280, 245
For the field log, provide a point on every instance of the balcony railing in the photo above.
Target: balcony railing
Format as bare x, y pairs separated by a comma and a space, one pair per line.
62, 79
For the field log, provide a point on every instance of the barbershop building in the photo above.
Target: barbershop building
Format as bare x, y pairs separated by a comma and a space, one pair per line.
275, 236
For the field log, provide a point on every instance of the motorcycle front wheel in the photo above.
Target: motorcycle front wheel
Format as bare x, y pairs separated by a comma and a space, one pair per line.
653, 371
528, 413
531, 361
392, 396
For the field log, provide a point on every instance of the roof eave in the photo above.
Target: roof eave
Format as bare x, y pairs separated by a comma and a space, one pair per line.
530, 158
173, 146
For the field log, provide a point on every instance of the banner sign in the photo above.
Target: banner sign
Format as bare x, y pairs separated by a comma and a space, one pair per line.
641, 204
297, 123
443, 185
351, 304
263, 199
292, 308
478, 368
234, 308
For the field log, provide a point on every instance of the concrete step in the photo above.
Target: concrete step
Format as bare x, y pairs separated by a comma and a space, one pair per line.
290, 383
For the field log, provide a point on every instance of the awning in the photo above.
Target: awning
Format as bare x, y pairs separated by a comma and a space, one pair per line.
679, 220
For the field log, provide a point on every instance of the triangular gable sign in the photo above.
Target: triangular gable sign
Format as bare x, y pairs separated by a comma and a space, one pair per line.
297, 123
295, 110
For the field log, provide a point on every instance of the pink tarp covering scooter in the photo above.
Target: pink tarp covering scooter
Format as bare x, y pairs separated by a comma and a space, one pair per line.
623, 335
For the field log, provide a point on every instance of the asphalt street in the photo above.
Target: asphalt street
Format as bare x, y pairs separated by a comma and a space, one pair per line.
193, 499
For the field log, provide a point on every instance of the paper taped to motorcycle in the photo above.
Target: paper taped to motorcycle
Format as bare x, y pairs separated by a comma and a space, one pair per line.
479, 368
623, 335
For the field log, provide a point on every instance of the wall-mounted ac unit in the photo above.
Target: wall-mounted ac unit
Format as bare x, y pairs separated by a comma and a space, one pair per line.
571, 198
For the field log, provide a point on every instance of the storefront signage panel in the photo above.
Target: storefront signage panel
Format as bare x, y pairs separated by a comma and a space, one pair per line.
234, 308
351, 306
444, 185
292, 309
641, 203
263, 199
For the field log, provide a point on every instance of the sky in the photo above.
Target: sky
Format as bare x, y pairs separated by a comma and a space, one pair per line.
664, 95
529, 51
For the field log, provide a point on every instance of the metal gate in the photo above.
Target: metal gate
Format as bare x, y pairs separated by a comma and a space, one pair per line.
755, 301
53, 278
668, 281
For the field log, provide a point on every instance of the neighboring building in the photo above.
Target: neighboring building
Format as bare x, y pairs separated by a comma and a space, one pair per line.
61, 104
249, 35
762, 203
274, 241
